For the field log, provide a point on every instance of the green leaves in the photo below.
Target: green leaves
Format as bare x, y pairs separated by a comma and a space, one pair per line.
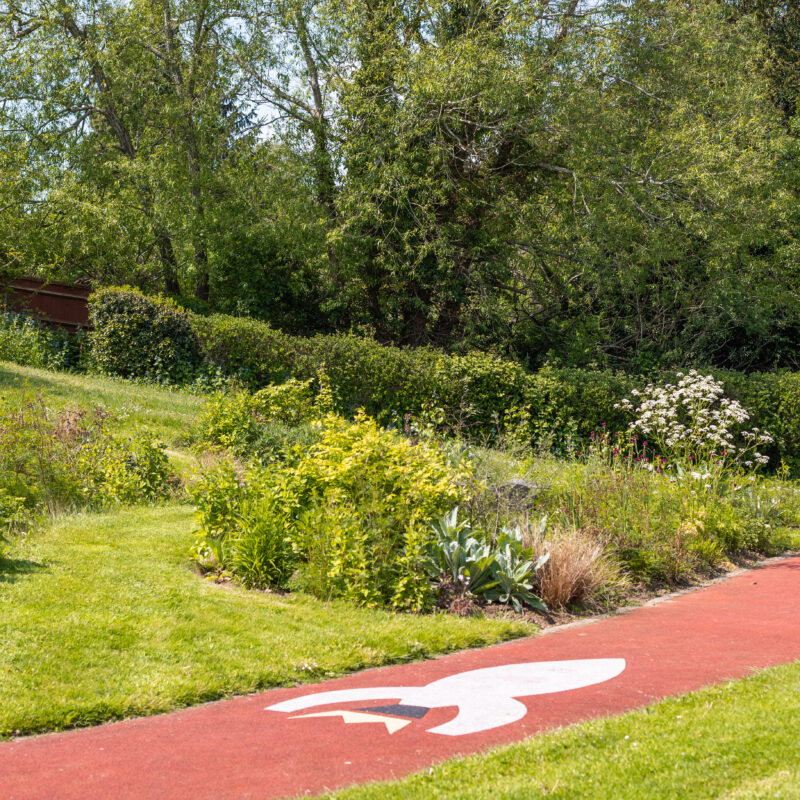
514, 572
135, 337
351, 506
510, 177
502, 571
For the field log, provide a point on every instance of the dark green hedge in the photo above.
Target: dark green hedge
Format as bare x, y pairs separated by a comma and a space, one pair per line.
138, 337
152, 337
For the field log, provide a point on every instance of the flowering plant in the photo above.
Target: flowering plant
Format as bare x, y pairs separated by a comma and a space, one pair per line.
693, 423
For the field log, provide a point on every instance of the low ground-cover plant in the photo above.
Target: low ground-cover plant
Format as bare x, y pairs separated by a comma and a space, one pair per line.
353, 508
69, 459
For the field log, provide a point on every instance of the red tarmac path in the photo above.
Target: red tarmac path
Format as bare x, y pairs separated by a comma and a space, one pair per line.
237, 749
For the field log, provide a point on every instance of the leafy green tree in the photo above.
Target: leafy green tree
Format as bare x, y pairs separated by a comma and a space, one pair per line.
608, 181
133, 113
550, 178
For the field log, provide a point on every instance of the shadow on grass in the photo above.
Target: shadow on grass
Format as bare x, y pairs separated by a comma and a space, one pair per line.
35, 383
14, 569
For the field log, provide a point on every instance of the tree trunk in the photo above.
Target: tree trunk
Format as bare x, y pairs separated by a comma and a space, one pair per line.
168, 263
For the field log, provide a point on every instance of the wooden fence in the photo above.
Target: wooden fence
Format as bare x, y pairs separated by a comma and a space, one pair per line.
60, 305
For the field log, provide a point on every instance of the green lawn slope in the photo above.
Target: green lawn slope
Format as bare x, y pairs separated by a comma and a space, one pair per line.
103, 617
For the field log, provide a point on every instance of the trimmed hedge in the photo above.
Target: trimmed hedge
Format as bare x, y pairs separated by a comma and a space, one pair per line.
138, 336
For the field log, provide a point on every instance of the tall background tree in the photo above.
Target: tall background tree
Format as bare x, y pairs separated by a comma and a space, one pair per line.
587, 182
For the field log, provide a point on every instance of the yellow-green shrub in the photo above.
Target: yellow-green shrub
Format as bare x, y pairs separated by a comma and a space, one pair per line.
260, 425
125, 469
227, 420
354, 506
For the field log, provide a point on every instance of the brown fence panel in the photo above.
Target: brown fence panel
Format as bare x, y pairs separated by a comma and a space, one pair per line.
60, 305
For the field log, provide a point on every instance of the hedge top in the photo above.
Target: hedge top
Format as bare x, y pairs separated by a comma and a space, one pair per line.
153, 338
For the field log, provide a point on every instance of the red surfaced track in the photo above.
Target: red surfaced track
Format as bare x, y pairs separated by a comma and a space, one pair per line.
237, 749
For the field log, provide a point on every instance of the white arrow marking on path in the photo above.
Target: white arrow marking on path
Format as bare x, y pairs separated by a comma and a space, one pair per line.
485, 697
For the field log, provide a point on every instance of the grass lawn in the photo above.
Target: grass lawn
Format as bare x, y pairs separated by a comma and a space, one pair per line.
103, 618
738, 741
167, 412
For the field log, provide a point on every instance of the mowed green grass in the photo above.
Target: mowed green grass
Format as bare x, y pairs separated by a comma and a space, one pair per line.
169, 413
101, 617
737, 741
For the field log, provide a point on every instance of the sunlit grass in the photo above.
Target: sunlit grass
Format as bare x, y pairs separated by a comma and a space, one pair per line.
169, 413
102, 618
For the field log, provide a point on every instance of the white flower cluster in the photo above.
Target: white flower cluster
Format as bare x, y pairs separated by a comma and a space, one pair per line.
694, 417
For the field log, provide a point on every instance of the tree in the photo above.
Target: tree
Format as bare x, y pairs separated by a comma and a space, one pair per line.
606, 181
779, 24
129, 111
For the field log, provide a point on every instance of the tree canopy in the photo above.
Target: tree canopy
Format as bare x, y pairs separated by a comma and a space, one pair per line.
579, 181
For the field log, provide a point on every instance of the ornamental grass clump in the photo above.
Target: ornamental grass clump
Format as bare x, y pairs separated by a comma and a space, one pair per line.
579, 569
692, 423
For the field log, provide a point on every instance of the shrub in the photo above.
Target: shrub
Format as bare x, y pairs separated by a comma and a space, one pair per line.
353, 505
265, 425
390, 488
694, 424
124, 469
25, 341
72, 459
228, 420
566, 405
478, 395
136, 337
248, 350
276, 442
290, 403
